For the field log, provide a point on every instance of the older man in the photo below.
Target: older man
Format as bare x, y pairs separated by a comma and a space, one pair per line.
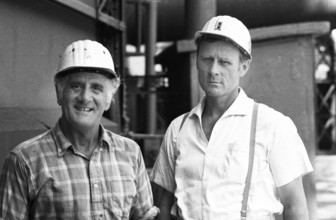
78, 169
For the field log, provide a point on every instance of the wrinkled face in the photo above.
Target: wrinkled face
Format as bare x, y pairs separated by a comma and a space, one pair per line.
84, 98
219, 68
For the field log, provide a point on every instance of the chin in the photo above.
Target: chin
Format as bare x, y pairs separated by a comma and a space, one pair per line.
214, 93
84, 124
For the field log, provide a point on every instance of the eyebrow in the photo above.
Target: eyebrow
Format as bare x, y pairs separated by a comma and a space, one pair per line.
94, 84
80, 81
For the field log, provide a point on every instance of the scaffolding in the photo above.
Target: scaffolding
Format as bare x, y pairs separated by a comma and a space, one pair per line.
325, 90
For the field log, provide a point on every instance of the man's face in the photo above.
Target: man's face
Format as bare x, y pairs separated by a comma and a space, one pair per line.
219, 68
84, 99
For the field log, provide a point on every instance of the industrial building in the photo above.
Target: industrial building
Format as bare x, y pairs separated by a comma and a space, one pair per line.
151, 42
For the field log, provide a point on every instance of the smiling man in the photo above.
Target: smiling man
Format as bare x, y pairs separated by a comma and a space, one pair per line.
78, 169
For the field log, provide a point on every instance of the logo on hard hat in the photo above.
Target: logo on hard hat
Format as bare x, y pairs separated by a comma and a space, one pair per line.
218, 25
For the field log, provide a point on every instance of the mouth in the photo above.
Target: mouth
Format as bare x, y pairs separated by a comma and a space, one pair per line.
83, 109
213, 82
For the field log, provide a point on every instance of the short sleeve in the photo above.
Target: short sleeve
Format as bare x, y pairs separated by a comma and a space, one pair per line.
287, 157
164, 167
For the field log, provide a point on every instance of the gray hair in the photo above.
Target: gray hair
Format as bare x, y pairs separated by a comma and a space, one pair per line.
113, 86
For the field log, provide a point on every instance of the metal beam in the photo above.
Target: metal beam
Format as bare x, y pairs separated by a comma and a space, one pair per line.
150, 71
93, 13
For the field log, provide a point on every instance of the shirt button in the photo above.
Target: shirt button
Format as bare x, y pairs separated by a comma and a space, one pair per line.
96, 185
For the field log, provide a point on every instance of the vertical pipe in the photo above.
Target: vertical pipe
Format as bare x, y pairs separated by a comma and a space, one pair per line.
150, 53
125, 121
138, 8
197, 13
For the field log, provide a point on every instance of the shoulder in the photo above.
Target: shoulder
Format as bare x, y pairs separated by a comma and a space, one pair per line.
173, 130
122, 144
179, 121
269, 116
29, 155
33, 146
268, 111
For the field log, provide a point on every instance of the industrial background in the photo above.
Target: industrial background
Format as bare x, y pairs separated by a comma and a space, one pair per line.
293, 69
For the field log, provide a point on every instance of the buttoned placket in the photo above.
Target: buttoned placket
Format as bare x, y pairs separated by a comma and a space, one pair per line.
96, 176
208, 166
206, 171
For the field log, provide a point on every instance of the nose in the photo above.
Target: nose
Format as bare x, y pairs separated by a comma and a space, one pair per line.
85, 94
214, 68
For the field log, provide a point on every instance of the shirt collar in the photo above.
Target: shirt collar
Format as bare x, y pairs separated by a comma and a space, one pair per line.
241, 106
105, 137
62, 143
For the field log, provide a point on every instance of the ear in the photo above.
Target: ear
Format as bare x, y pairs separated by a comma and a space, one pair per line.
107, 106
108, 102
196, 61
244, 67
59, 102
59, 97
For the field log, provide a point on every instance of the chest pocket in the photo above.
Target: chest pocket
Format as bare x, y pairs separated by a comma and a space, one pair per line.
236, 160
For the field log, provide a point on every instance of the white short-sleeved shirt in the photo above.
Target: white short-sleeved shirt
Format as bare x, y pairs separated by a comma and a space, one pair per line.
208, 177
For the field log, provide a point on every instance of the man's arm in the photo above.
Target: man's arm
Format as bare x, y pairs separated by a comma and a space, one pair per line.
13, 189
165, 203
293, 198
142, 208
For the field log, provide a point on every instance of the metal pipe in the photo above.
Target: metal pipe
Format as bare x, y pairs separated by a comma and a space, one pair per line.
125, 120
138, 8
197, 13
150, 53
143, 136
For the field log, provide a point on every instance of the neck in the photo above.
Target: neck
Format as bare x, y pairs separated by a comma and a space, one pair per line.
214, 108
217, 106
83, 140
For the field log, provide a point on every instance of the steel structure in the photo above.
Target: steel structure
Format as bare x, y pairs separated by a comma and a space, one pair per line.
325, 90
100, 10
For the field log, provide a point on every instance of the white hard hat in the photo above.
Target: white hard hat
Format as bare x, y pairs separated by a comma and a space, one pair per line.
229, 28
86, 55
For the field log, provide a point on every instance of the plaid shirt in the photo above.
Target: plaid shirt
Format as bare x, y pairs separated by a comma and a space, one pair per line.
46, 178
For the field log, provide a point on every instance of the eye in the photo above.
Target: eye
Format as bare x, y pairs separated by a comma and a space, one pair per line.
207, 59
75, 86
224, 62
97, 88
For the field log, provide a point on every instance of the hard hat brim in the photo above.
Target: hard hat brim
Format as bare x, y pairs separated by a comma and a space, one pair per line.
103, 71
199, 34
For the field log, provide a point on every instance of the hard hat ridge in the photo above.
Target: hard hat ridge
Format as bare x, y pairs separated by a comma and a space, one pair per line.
230, 29
86, 55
